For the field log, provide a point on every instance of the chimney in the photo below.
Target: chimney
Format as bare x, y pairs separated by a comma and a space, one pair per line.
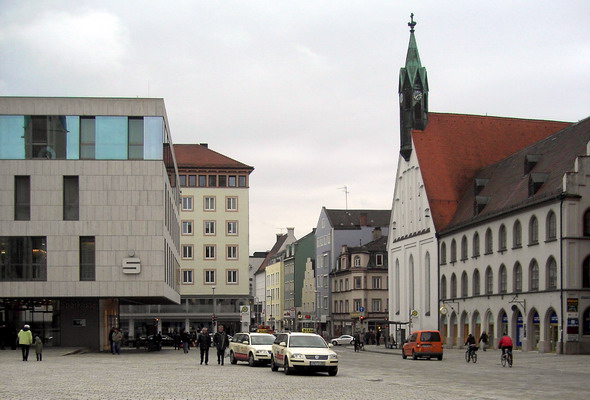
291, 232
377, 233
363, 219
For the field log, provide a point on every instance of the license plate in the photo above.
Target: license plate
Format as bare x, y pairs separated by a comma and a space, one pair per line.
315, 363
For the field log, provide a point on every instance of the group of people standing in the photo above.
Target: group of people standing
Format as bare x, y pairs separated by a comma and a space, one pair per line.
204, 342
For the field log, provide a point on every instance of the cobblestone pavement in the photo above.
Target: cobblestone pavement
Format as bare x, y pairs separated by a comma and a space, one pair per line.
376, 372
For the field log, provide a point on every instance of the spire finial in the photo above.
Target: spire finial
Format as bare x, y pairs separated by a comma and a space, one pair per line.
412, 23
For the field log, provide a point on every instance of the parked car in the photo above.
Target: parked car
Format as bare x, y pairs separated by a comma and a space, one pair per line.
344, 339
423, 344
303, 351
255, 348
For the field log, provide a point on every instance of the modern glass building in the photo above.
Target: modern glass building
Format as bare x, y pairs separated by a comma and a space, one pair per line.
88, 214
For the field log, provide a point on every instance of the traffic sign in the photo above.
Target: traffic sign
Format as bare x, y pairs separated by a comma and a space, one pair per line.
361, 309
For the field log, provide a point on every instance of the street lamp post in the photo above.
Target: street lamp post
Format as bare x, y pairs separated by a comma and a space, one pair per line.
214, 317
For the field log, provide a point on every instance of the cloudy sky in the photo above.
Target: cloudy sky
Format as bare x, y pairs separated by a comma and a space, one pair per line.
304, 91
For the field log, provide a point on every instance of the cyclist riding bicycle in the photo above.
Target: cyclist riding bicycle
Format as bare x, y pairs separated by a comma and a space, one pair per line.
505, 344
471, 343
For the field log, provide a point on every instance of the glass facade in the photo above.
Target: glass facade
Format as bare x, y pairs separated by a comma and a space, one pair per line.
81, 137
23, 258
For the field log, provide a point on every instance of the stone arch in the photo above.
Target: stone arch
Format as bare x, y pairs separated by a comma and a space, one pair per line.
550, 332
464, 327
502, 324
533, 330
489, 326
453, 329
517, 328
476, 324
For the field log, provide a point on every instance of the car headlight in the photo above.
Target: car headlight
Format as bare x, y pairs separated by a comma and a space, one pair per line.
261, 351
332, 356
297, 356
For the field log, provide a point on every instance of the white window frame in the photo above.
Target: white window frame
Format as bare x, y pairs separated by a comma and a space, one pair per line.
209, 276
209, 252
188, 277
187, 203
231, 252
231, 228
231, 203
209, 228
234, 275
187, 227
209, 203
187, 252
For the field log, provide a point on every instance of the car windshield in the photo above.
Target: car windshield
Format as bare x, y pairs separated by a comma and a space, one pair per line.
307, 341
262, 339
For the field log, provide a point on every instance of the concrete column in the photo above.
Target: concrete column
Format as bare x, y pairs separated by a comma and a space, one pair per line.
187, 325
131, 328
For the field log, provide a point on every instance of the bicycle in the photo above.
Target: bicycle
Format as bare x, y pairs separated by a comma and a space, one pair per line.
507, 358
470, 354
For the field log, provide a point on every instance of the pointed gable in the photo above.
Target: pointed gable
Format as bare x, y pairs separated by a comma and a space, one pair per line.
454, 147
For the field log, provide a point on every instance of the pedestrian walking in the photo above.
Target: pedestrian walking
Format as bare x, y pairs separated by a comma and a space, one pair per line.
117, 337
357, 341
483, 340
25, 340
221, 342
176, 338
185, 337
111, 340
204, 342
378, 336
38, 343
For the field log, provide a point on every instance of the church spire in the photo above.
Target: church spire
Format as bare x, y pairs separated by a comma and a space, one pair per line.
413, 95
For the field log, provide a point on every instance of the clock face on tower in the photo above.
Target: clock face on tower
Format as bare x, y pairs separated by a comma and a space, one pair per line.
417, 96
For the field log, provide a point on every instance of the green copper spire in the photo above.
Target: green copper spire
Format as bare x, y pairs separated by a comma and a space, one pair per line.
413, 95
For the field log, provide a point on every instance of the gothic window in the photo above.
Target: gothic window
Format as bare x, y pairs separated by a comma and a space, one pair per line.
489, 280
453, 251
453, 286
551, 273
517, 277
475, 244
534, 276
502, 279
443, 253
551, 226
443, 288
489, 242
517, 235
464, 284
476, 284
533, 230
502, 238
464, 248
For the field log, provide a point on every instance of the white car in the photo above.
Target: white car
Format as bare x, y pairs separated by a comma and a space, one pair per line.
344, 339
255, 348
303, 351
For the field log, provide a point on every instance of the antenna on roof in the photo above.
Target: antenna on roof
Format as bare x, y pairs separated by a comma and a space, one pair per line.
345, 188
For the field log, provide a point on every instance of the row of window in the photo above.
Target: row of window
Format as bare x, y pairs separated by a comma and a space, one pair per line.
210, 276
210, 252
502, 282
533, 239
341, 306
209, 228
356, 261
341, 285
70, 196
24, 258
216, 180
209, 203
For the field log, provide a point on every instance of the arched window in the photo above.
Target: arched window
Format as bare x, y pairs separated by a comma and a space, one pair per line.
489, 280
502, 238
397, 287
517, 235
533, 230
346, 285
586, 273
534, 275
551, 274
476, 285
551, 226
475, 244
502, 279
453, 286
453, 251
517, 277
427, 283
489, 242
464, 249
443, 253
464, 284
443, 288
586, 223
357, 261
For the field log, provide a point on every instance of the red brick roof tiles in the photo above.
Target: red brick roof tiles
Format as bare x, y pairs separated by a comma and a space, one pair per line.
196, 155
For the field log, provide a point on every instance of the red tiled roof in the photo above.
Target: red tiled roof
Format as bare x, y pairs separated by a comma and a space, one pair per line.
453, 147
200, 156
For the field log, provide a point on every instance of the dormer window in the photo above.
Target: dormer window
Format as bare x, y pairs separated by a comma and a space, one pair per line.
480, 183
480, 203
530, 161
536, 180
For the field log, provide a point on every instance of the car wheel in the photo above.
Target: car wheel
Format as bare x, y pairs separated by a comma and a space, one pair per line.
288, 370
251, 361
332, 371
404, 355
440, 358
232, 358
335, 343
414, 355
273, 366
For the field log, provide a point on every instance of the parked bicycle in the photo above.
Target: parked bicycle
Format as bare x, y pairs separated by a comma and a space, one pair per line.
471, 353
507, 358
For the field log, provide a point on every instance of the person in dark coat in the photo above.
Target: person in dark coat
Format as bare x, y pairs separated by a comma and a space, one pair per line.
204, 342
483, 340
221, 342
185, 337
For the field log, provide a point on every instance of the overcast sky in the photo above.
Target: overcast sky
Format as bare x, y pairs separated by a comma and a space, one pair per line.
304, 91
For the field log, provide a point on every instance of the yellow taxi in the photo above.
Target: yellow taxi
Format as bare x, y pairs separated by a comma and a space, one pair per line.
303, 351
255, 348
